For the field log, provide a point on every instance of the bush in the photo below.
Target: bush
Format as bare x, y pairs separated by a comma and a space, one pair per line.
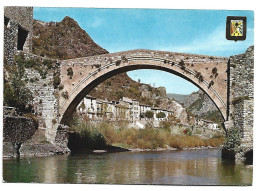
160, 115
56, 81
88, 133
65, 95
61, 86
54, 121
214, 70
233, 139
149, 114
70, 72
48, 63
118, 62
239, 99
16, 94
147, 138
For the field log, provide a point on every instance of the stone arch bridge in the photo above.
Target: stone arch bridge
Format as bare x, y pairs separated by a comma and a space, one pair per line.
227, 81
209, 73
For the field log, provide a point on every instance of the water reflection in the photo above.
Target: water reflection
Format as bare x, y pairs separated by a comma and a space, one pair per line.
198, 167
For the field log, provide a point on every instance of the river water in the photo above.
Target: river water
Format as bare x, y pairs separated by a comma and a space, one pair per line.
194, 167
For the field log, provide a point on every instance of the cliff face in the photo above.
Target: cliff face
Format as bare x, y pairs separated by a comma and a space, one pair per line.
66, 40
199, 104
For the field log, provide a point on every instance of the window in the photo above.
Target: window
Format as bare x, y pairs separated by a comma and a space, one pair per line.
6, 21
22, 36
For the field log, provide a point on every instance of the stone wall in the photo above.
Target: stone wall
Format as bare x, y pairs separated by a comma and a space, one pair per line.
17, 18
16, 130
241, 99
45, 102
243, 120
241, 76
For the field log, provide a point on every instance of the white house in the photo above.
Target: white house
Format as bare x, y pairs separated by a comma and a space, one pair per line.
88, 106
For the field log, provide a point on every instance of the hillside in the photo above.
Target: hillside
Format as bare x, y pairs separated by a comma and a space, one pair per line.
199, 104
177, 97
65, 40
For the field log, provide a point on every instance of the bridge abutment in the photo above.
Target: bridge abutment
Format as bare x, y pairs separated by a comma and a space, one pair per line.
241, 106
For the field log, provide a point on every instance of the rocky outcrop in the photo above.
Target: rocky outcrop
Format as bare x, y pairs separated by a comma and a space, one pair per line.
199, 104
63, 40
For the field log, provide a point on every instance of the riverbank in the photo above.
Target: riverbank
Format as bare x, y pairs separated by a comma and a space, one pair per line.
97, 135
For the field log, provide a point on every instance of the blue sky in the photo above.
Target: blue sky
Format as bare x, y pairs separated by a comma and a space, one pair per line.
187, 31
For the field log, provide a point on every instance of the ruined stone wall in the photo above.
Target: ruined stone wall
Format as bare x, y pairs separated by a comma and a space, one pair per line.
45, 96
16, 130
16, 17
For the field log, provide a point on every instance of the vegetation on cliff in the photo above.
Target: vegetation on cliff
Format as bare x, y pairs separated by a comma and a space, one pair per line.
63, 40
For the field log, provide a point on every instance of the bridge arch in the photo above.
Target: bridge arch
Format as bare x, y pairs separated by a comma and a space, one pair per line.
92, 71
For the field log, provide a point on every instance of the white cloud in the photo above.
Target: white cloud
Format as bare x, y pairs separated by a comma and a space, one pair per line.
215, 43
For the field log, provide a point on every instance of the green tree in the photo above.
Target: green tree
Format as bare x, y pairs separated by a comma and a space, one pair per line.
16, 94
160, 115
149, 114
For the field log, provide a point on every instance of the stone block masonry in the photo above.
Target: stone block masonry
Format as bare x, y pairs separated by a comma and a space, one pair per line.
18, 28
45, 95
241, 99
16, 130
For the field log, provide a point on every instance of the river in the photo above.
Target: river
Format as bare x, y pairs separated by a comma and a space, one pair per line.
193, 167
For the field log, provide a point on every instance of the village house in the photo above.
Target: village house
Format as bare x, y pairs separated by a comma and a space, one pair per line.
124, 109
206, 123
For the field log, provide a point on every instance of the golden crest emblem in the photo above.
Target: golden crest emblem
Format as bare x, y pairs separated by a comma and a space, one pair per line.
236, 28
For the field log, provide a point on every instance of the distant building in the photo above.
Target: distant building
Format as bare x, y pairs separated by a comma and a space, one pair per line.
88, 106
135, 110
208, 124
124, 109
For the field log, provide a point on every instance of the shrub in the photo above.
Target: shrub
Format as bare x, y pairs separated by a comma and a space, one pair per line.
149, 114
56, 81
160, 115
87, 132
239, 99
118, 62
181, 63
70, 72
166, 125
16, 94
54, 121
119, 94
214, 70
48, 63
233, 139
211, 83
65, 95
124, 59
61, 86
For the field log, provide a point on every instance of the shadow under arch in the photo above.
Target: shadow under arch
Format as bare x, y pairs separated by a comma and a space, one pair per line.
74, 103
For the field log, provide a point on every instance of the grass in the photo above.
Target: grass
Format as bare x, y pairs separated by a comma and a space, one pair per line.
147, 138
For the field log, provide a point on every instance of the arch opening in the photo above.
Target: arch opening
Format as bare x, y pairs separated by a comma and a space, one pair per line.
95, 82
